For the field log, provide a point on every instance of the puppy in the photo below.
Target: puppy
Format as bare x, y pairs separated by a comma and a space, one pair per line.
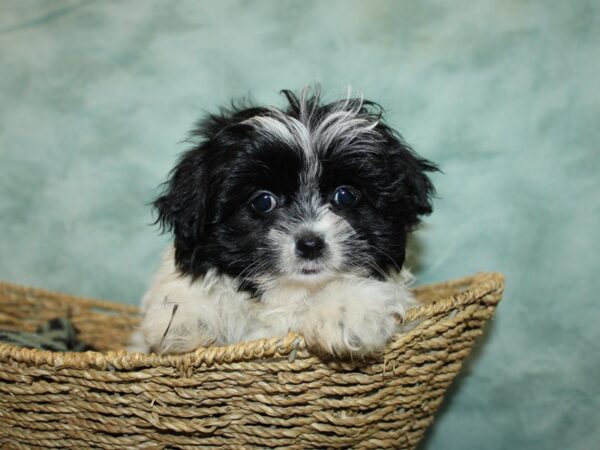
291, 219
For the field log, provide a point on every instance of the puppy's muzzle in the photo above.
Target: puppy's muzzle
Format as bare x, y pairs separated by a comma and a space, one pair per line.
310, 246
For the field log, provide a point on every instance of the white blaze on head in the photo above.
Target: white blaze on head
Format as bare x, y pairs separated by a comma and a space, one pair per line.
344, 126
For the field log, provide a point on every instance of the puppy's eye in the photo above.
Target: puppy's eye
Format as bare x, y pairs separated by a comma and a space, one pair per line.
264, 202
345, 197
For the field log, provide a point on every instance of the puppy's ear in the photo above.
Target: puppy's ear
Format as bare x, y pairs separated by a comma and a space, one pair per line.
182, 208
413, 187
419, 187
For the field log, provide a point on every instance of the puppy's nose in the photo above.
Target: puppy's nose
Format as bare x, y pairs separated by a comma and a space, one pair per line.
309, 246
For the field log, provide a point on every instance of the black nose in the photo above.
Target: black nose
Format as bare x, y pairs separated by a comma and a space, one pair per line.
310, 246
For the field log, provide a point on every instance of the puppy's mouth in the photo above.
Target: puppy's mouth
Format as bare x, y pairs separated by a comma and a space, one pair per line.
310, 271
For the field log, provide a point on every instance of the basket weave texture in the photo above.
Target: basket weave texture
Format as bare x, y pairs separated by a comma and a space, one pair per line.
262, 394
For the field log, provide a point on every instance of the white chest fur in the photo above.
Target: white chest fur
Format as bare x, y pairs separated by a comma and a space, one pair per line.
340, 315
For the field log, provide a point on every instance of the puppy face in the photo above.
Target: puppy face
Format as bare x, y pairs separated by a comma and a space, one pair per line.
305, 194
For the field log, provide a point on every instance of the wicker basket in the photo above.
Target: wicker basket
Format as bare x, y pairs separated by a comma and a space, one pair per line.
261, 394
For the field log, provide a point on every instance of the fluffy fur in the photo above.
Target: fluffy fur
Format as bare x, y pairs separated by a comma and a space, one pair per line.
290, 219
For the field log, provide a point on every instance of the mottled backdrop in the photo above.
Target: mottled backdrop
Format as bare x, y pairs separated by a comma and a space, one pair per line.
96, 97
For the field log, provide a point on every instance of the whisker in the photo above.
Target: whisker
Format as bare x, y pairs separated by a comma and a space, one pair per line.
385, 254
253, 270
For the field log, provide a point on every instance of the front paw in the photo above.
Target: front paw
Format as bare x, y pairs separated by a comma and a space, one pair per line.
346, 334
173, 328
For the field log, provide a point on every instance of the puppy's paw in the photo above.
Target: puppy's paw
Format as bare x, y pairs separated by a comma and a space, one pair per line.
341, 336
352, 321
172, 328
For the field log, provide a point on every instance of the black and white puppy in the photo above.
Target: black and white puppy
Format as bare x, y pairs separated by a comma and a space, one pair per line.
291, 219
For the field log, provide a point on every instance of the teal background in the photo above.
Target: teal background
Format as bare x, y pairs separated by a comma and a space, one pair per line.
96, 97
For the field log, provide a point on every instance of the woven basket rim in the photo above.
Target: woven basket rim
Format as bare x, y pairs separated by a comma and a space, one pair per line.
477, 286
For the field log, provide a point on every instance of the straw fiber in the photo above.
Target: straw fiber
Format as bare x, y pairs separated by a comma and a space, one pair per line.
262, 394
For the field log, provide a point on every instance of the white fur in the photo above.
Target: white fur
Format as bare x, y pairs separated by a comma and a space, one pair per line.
341, 315
343, 125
